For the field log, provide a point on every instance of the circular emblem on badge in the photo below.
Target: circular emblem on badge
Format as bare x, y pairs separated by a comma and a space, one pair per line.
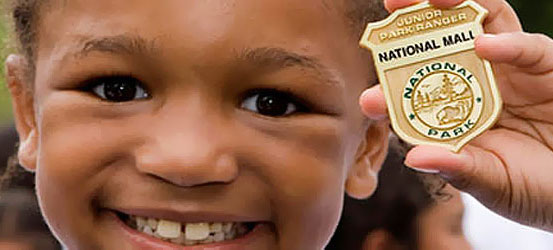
442, 101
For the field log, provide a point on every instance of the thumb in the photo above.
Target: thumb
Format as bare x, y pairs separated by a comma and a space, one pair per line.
474, 170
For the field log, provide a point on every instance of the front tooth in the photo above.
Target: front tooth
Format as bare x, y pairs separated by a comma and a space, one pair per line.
152, 223
216, 227
197, 231
168, 229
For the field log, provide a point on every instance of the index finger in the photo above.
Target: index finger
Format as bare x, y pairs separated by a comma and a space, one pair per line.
393, 5
501, 18
373, 103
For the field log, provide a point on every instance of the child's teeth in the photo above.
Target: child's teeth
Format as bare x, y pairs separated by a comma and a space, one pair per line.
188, 234
230, 235
227, 226
216, 227
168, 229
197, 231
152, 223
148, 230
208, 240
141, 222
219, 236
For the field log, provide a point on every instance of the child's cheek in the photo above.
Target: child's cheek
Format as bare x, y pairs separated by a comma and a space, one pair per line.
304, 166
76, 154
310, 200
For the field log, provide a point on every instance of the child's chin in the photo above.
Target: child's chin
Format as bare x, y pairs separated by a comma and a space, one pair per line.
126, 233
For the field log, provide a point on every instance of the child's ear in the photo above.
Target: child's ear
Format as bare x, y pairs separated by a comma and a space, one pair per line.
21, 91
363, 175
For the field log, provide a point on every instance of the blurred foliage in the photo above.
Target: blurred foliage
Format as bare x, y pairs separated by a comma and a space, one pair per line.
536, 16
5, 108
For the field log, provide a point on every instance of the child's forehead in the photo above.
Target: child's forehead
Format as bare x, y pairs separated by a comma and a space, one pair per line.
210, 20
306, 9
208, 33
259, 23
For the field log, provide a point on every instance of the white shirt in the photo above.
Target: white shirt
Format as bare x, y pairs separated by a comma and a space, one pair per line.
486, 230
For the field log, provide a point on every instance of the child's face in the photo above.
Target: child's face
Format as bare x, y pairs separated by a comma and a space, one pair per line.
441, 225
216, 111
9, 245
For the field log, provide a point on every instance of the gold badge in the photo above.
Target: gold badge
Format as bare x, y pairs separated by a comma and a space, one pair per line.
438, 91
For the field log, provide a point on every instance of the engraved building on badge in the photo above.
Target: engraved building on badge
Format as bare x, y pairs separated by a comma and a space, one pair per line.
438, 91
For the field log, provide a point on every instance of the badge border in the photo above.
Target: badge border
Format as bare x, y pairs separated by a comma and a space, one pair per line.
497, 102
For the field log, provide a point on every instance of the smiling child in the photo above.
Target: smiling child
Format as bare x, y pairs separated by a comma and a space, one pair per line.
222, 124
235, 124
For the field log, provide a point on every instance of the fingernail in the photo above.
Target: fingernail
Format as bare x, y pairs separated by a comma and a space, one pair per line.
486, 37
365, 93
368, 94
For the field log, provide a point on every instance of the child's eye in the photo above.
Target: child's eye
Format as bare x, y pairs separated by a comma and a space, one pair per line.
118, 88
271, 103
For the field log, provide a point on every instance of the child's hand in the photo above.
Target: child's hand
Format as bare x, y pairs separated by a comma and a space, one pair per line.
510, 167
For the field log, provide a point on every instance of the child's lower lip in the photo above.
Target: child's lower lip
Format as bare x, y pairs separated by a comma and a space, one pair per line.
144, 241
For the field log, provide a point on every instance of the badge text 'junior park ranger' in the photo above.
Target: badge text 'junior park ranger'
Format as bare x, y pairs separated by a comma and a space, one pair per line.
438, 91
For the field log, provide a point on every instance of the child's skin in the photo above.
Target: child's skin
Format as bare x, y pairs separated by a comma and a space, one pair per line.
438, 227
508, 168
441, 225
197, 148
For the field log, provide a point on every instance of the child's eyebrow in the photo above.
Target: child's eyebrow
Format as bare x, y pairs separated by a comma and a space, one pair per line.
273, 58
119, 44
278, 58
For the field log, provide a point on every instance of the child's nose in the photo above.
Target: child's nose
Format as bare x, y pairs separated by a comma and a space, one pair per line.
187, 155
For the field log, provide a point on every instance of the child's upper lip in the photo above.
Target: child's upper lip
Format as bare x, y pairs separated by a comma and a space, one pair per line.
190, 216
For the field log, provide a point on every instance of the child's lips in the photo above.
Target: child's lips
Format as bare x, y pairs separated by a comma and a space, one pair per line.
221, 235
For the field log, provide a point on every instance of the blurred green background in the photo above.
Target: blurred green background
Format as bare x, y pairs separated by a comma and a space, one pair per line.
5, 109
536, 16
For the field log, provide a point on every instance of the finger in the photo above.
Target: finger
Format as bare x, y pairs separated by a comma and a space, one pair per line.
532, 52
505, 170
501, 17
373, 103
445, 3
392, 5
474, 170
